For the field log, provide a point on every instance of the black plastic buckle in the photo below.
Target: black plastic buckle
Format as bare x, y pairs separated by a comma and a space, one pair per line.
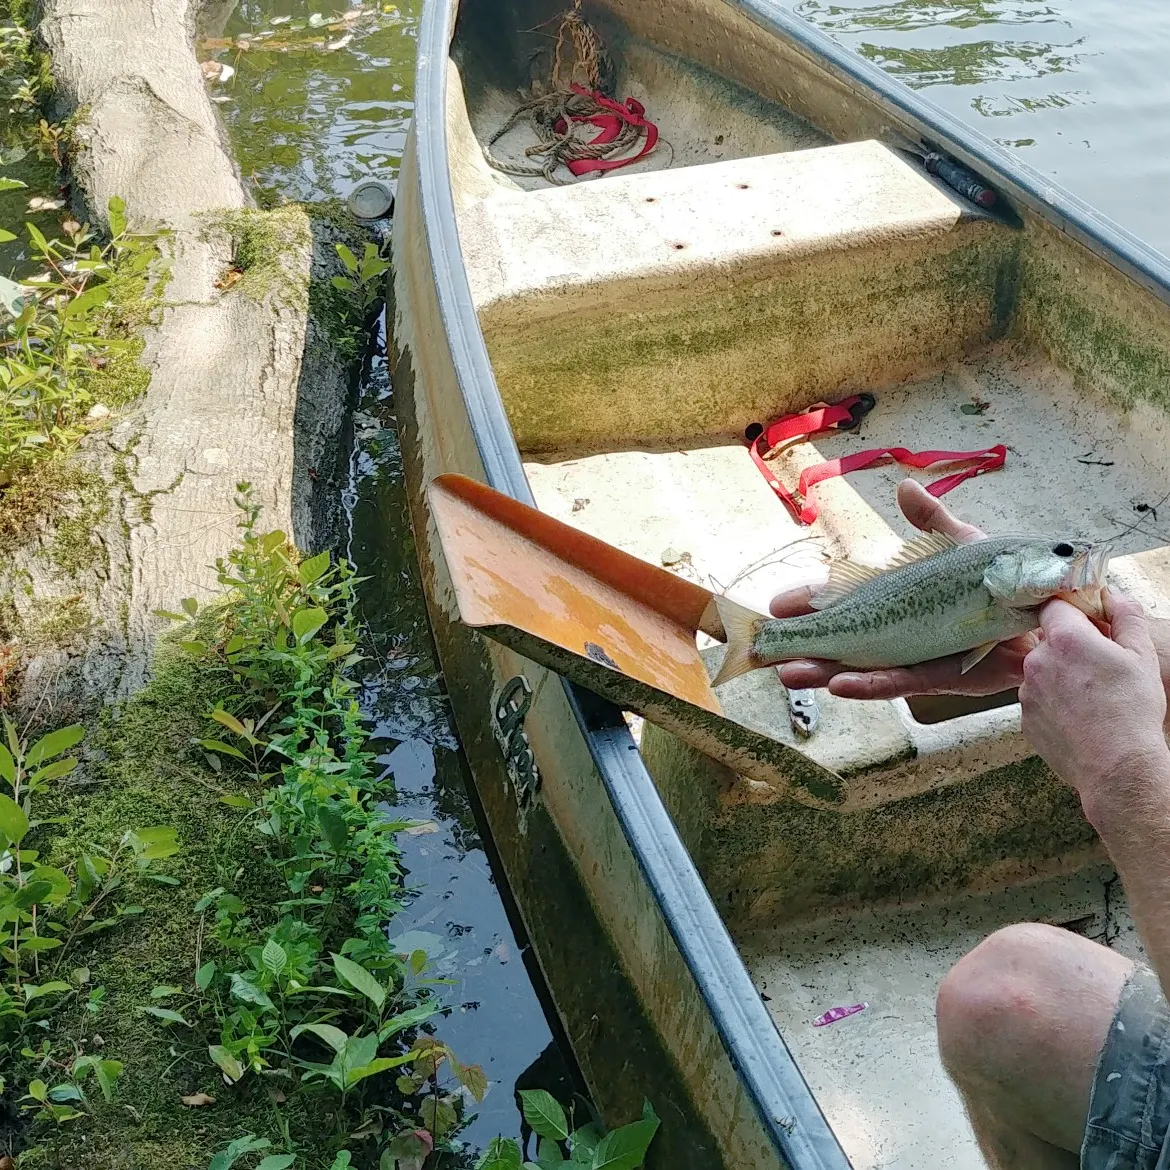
864, 404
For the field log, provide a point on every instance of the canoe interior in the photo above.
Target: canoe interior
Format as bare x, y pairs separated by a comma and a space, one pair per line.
753, 266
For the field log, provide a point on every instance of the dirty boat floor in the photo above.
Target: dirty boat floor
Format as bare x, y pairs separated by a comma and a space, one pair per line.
1072, 469
877, 1074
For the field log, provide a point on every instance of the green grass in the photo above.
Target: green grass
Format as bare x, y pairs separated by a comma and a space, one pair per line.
141, 773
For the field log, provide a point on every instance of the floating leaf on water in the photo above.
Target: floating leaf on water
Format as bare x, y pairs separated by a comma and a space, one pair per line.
419, 940
11, 296
317, 20
422, 828
217, 71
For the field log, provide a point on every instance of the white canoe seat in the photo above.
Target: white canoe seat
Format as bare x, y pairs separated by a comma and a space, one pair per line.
677, 303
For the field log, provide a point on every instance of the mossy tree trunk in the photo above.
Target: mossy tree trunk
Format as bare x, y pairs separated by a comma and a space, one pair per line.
243, 385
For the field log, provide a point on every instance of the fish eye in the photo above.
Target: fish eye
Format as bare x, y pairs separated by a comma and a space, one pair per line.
1064, 549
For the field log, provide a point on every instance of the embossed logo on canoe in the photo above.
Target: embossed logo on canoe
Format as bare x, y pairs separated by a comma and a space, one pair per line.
509, 707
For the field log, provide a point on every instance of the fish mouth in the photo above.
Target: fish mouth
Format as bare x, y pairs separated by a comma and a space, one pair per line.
1084, 583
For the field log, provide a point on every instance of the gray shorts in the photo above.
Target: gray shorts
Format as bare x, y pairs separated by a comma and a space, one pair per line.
1128, 1127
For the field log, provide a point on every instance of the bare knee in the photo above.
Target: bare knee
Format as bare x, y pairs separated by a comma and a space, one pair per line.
991, 998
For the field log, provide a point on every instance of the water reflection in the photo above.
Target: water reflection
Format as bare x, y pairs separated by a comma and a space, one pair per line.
973, 62
908, 15
1078, 86
455, 912
309, 120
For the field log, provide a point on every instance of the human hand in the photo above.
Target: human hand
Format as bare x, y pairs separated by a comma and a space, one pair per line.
1001, 670
1094, 704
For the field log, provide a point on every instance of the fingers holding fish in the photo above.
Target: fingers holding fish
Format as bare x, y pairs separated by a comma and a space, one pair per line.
930, 514
1001, 670
1078, 681
793, 602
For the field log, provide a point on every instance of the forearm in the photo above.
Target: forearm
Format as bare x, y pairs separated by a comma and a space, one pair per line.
1133, 819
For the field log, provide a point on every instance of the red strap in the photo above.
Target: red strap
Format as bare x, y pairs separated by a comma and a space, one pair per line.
823, 418
633, 112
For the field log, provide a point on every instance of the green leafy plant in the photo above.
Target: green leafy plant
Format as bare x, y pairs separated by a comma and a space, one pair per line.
66, 1100
585, 1147
309, 988
62, 327
363, 281
45, 910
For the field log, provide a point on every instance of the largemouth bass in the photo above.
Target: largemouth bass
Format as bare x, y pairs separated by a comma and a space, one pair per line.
934, 599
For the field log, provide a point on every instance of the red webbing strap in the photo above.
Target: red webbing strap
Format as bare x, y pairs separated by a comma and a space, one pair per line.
824, 418
632, 112
989, 459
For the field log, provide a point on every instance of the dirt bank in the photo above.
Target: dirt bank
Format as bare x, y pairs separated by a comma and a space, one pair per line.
243, 384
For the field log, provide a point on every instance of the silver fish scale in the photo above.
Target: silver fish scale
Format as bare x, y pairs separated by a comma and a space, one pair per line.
908, 615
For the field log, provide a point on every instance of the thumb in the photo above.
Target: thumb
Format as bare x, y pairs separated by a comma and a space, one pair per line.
927, 513
1128, 626
1059, 617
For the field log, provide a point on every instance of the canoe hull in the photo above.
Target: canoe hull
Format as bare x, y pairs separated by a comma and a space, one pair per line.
615, 973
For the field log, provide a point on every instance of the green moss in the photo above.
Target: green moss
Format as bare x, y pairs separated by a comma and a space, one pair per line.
263, 243
141, 771
1115, 348
715, 353
59, 623
74, 546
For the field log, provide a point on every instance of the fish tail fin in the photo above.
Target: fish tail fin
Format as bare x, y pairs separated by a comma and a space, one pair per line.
741, 626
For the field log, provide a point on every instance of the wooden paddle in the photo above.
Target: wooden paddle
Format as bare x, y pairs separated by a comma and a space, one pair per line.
620, 627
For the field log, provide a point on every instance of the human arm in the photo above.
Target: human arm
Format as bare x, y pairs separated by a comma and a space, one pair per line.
1093, 707
1001, 670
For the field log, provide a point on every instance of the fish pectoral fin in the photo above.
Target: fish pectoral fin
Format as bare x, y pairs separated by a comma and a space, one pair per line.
976, 656
928, 544
844, 576
741, 625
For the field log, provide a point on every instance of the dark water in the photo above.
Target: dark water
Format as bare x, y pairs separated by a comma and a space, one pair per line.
307, 122
457, 914
1080, 88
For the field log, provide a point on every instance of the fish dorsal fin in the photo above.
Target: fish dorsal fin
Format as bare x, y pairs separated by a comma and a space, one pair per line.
845, 575
921, 547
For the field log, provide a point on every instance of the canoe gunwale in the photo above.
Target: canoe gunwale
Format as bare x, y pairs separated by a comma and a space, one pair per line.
1011, 176
787, 1109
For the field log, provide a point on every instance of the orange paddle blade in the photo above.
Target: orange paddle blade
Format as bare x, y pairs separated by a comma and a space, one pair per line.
513, 566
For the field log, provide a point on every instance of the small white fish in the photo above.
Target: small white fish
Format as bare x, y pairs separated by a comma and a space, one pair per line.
936, 598
280, 20
340, 43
